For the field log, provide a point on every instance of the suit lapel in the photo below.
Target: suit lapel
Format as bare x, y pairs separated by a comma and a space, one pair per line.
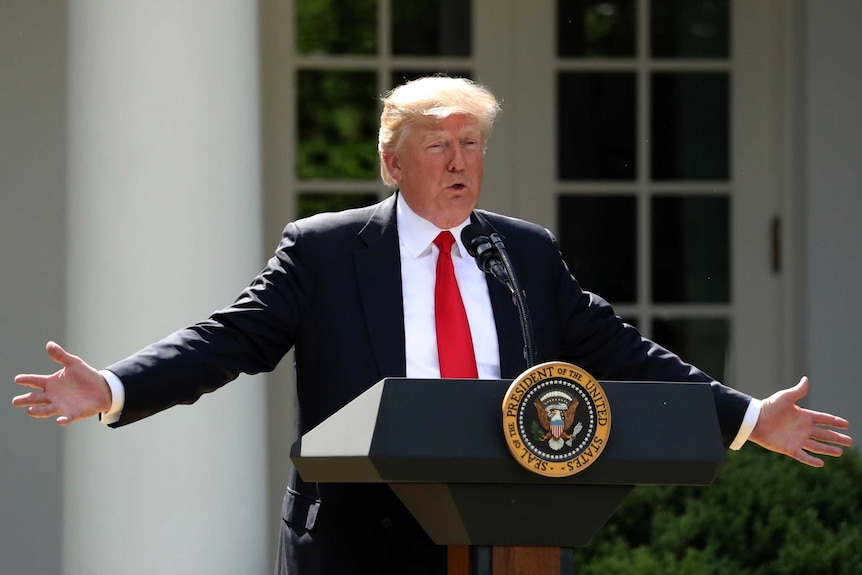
509, 336
378, 273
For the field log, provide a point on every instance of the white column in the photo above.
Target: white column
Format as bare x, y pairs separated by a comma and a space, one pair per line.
832, 124
164, 227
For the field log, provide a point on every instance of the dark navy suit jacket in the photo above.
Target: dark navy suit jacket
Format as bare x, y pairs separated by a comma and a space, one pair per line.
332, 293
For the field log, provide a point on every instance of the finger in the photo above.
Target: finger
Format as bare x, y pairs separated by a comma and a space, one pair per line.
31, 380
799, 390
821, 418
804, 457
823, 448
829, 436
68, 417
30, 399
58, 354
42, 411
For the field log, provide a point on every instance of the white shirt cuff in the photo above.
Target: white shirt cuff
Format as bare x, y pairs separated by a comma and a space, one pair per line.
748, 423
118, 398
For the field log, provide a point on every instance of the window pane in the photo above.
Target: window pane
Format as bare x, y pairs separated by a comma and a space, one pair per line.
336, 26
596, 28
309, 204
690, 249
690, 28
701, 342
596, 128
598, 238
337, 125
690, 126
431, 27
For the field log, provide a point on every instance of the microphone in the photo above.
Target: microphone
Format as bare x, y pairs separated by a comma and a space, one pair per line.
492, 258
484, 250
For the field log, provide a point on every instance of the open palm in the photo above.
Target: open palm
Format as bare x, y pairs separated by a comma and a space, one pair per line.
786, 428
75, 391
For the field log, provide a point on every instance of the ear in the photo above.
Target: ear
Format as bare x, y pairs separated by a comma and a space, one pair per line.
393, 165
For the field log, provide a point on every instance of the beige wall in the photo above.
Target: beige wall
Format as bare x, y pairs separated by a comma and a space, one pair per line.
32, 272
832, 184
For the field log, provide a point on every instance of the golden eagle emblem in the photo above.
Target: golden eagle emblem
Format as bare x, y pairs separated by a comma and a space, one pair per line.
556, 411
556, 419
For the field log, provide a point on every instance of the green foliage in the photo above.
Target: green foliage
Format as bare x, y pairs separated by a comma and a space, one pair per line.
765, 514
310, 204
336, 26
338, 116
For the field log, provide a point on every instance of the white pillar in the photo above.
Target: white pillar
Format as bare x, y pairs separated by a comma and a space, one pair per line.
164, 227
833, 130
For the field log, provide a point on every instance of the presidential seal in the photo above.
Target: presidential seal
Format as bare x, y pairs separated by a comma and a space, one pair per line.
556, 419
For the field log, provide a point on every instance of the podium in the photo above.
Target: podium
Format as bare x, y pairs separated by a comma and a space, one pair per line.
439, 445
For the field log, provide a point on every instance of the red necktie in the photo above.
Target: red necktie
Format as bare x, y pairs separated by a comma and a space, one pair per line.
454, 343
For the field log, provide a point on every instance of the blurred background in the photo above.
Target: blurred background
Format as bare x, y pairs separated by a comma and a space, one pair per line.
700, 162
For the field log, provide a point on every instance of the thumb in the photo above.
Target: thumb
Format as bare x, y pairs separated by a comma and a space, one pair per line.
58, 354
799, 390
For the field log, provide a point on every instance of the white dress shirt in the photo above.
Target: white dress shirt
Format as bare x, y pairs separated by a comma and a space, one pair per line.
418, 274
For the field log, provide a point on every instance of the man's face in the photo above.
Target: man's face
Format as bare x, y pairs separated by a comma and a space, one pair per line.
439, 168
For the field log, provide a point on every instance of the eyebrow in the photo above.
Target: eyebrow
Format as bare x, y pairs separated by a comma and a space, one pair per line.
468, 132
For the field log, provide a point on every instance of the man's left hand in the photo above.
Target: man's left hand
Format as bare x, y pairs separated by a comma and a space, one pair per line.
786, 428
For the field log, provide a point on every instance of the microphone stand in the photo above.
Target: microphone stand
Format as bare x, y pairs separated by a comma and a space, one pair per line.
519, 299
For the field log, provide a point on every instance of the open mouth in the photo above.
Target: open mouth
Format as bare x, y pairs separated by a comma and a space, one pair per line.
457, 186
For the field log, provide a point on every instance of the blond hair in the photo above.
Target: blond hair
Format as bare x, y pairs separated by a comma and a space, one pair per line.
431, 97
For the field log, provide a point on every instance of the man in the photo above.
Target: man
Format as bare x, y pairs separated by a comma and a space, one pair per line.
353, 294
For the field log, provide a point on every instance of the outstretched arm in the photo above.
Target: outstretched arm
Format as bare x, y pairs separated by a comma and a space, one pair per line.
76, 391
786, 428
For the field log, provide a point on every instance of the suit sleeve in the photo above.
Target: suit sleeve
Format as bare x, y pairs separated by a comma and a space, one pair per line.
250, 336
595, 338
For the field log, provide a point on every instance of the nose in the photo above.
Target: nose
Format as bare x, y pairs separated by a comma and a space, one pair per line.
456, 159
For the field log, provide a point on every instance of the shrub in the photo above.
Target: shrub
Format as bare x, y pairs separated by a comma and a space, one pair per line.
765, 514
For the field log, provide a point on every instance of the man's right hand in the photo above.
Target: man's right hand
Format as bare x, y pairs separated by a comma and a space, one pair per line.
76, 391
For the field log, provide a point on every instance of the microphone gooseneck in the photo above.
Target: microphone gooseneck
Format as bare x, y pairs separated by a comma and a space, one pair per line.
480, 247
492, 258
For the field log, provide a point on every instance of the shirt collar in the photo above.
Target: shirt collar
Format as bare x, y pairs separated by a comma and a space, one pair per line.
416, 234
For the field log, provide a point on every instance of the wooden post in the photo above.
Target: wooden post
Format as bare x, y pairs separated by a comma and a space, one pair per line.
458, 560
525, 561
507, 560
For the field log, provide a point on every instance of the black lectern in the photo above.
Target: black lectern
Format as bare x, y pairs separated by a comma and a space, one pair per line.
439, 445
